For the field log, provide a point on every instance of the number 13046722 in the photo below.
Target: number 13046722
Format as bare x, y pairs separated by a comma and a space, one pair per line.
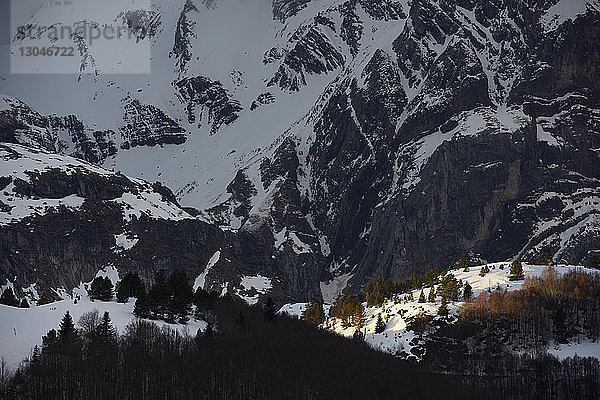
52, 51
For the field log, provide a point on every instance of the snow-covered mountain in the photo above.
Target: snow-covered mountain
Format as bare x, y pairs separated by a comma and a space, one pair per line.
345, 138
63, 219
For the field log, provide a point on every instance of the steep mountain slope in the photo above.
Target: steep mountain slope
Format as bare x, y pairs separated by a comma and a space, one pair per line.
352, 138
62, 220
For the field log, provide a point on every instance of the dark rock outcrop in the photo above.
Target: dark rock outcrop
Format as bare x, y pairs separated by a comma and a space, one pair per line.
204, 95
147, 125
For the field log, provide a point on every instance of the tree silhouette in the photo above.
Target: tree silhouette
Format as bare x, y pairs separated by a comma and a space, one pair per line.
516, 270
8, 298
380, 325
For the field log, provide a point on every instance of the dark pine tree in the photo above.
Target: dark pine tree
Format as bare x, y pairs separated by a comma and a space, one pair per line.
141, 305
594, 261
380, 325
465, 262
182, 294
349, 308
67, 332
8, 298
358, 336
36, 357
69, 343
24, 303
130, 286
105, 332
443, 310
269, 310
431, 297
159, 295
431, 275
543, 258
484, 270
422, 297
240, 322
101, 289
449, 288
314, 313
467, 292
50, 341
209, 331
516, 270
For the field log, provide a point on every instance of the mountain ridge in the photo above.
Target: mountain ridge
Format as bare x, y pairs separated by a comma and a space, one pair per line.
360, 138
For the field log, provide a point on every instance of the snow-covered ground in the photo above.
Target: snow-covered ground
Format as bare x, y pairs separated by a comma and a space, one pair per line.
20, 162
565, 10
22, 328
397, 339
580, 347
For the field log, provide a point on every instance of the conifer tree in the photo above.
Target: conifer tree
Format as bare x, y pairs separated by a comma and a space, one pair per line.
484, 270
122, 295
240, 322
349, 308
443, 310
49, 341
422, 297
105, 332
516, 270
209, 332
378, 291
574, 261
431, 275
543, 258
182, 294
159, 295
358, 336
44, 298
314, 313
431, 297
467, 292
449, 288
130, 286
67, 334
36, 357
141, 306
380, 325
269, 310
465, 262
594, 261
24, 303
8, 298
101, 289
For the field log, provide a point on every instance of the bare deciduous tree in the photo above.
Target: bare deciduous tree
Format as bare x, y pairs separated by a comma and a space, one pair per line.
89, 321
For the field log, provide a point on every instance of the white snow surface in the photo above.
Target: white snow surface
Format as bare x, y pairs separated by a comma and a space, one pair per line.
200, 281
18, 161
293, 309
565, 10
580, 347
22, 328
126, 241
253, 287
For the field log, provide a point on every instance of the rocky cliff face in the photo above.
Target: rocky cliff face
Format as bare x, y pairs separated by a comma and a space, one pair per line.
61, 220
331, 144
